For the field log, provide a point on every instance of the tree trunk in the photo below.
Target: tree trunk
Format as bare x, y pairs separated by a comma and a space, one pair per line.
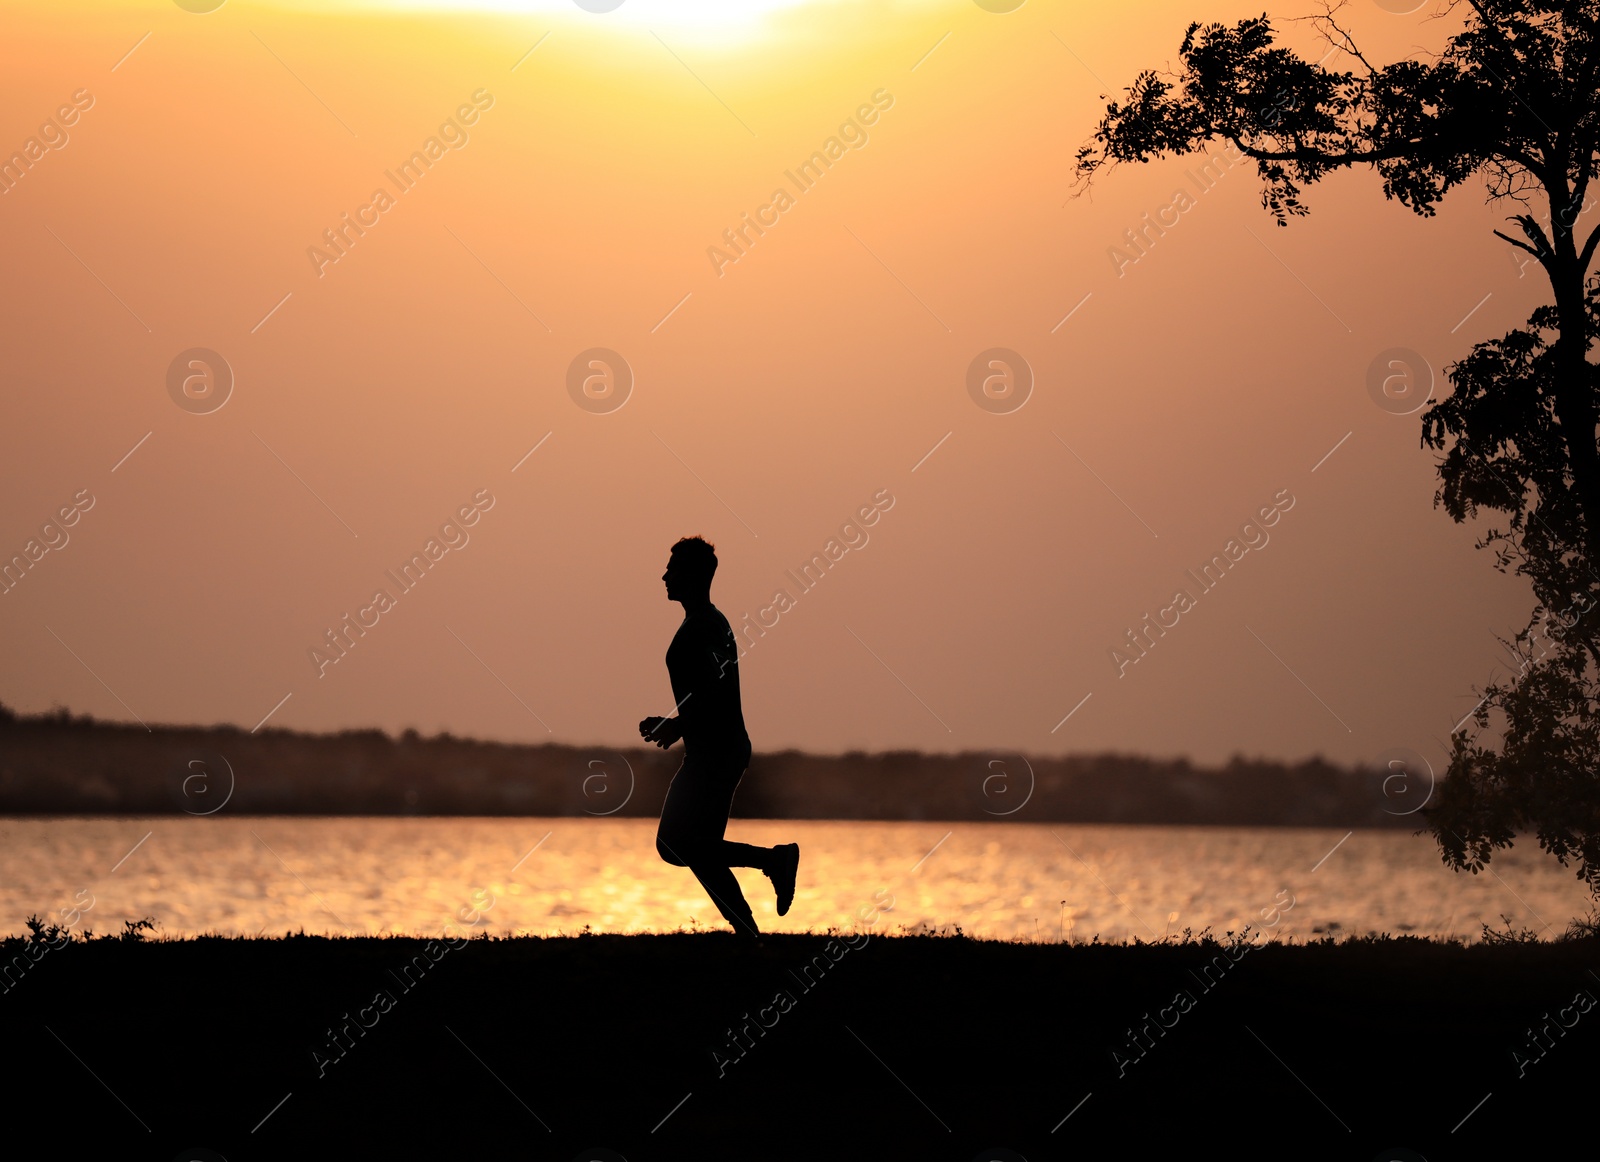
1575, 402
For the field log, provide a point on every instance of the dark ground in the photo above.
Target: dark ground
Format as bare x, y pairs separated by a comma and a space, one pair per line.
904, 1047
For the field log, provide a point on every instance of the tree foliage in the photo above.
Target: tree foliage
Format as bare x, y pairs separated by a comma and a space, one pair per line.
1512, 100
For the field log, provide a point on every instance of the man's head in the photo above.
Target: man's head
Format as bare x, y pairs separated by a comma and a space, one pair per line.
689, 570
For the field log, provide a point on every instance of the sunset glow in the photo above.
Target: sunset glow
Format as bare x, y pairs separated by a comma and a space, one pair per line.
799, 244
792, 579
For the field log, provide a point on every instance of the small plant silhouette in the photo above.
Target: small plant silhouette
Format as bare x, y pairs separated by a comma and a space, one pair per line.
46, 932
1510, 935
133, 930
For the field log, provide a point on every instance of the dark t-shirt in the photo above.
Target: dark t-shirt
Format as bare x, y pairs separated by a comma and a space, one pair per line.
703, 663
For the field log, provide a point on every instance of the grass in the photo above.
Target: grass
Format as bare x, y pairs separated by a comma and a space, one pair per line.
1582, 928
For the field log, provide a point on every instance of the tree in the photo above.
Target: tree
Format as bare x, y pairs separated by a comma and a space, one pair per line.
1512, 99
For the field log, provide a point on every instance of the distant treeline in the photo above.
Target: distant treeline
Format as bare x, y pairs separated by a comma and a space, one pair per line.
57, 763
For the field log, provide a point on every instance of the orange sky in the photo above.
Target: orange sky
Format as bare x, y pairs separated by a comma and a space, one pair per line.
774, 396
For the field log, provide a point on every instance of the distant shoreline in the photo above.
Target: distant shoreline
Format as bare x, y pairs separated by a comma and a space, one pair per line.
57, 764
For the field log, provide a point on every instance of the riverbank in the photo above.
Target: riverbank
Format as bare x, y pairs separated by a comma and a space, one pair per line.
58, 764
850, 1045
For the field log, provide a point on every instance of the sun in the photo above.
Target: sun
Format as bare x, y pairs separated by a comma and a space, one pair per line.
704, 20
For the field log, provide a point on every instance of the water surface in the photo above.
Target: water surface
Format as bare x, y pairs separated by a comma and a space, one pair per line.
269, 875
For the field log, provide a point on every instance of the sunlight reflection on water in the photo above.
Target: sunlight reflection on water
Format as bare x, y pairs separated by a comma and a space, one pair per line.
1005, 880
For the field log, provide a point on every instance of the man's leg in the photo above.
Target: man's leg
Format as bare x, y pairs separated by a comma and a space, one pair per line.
781, 864
694, 819
731, 854
723, 888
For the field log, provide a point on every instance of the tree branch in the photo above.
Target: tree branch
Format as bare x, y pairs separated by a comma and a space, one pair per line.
1588, 250
1521, 245
1324, 157
1538, 236
1345, 40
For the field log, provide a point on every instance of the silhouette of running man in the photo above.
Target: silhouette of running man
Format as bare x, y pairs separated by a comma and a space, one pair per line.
703, 664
